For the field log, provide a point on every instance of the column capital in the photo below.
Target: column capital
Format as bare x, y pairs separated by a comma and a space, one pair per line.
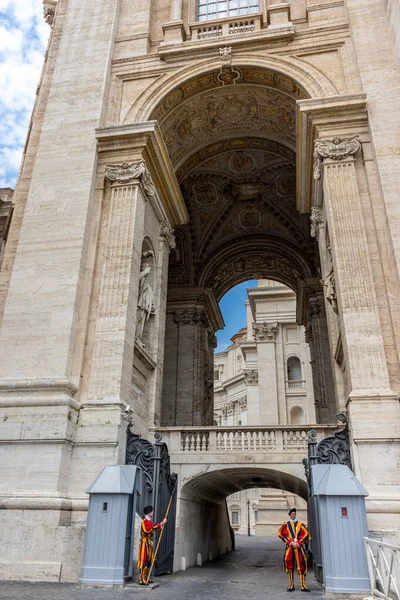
325, 120
335, 150
126, 173
191, 317
250, 377
196, 299
265, 332
127, 146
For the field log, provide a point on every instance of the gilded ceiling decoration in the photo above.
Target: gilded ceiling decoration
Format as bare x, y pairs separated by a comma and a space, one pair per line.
231, 135
225, 113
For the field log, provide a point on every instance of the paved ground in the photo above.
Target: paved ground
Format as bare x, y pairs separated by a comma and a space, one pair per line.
253, 570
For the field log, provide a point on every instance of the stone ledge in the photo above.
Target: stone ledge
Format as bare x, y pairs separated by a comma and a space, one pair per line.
206, 47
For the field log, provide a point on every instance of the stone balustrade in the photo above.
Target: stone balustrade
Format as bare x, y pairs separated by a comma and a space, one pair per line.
225, 27
279, 439
296, 384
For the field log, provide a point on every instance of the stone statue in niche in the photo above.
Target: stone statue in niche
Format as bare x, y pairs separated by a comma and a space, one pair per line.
145, 305
330, 284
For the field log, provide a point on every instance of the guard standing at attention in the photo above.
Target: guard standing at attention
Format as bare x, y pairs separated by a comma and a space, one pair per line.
295, 535
146, 551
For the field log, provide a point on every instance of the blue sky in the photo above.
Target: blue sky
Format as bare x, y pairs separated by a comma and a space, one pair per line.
234, 313
23, 40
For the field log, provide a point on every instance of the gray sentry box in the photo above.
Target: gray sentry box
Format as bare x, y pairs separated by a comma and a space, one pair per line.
343, 522
110, 525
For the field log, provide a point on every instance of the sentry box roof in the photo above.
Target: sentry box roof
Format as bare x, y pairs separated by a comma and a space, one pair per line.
335, 480
115, 479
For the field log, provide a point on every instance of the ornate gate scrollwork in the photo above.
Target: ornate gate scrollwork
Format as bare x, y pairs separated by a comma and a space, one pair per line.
158, 484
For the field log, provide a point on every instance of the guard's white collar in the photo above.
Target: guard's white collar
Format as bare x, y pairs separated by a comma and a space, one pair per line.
147, 517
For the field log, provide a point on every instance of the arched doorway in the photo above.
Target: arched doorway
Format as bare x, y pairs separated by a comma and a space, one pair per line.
202, 503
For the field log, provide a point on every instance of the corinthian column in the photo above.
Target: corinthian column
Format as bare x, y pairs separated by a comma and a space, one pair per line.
350, 284
111, 369
265, 335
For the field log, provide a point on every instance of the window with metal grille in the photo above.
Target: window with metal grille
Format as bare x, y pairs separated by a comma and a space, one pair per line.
208, 10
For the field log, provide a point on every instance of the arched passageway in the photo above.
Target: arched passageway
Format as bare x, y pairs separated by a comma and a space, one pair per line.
231, 137
203, 526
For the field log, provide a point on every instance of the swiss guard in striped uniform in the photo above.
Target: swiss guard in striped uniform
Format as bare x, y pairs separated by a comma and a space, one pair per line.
146, 551
295, 535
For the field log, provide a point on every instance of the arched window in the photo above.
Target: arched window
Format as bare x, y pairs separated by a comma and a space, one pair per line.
297, 416
293, 369
209, 10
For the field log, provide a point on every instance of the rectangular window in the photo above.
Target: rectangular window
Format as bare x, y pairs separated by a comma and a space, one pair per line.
105, 506
235, 517
344, 511
216, 375
207, 10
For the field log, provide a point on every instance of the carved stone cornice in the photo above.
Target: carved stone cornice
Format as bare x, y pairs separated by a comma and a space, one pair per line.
168, 234
265, 332
336, 150
126, 173
191, 317
317, 219
251, 377
49, 11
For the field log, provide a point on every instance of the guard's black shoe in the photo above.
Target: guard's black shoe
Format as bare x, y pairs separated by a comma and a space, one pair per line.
290, 589
304, 589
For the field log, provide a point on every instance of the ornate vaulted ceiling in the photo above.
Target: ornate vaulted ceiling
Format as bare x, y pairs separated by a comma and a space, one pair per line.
231, 136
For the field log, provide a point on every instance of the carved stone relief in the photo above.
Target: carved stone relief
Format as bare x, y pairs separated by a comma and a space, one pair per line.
126, 173
250, 377
265, 332
336, 150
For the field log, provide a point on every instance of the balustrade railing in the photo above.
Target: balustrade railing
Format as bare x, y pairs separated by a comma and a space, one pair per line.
283, 438
229, 27
384, 569
296, 384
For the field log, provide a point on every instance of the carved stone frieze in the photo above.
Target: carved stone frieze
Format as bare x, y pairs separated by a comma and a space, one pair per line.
265, 332
251, 377
190, 317
167, 233
336, 150
316, 219
126, 173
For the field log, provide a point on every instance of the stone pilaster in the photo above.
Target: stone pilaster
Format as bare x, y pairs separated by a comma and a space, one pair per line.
317, 337
192, 317
253, 403
265, 335
116, 321
352, 273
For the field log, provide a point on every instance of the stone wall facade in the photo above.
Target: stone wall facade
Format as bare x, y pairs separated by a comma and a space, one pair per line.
233, 131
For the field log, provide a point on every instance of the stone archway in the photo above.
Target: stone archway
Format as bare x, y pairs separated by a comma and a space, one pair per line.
231, 137
202, 502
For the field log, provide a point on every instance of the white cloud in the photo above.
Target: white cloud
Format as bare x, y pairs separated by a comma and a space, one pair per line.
23, 39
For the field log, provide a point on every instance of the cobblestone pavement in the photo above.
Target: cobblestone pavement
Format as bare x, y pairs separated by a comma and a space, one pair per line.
254, 569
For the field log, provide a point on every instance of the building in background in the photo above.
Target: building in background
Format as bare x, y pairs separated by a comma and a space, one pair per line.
265, 378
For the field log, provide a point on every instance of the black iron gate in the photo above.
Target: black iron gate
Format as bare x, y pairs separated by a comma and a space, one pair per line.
334, 449
158, 484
